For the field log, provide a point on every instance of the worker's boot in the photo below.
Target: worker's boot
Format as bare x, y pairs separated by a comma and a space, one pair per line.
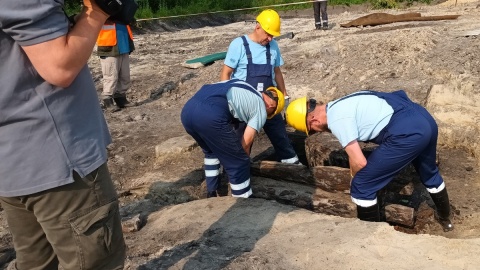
325, 26
371, 213
122, 102
318, 26
211, 194
443, 209
109, 105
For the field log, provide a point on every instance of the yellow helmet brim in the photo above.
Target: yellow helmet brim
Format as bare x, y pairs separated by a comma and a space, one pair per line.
280, 102
296, 114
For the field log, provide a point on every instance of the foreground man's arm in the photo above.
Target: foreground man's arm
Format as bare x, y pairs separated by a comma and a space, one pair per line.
60, 60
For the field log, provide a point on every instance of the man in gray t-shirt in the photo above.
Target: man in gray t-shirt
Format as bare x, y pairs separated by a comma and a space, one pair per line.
55, 187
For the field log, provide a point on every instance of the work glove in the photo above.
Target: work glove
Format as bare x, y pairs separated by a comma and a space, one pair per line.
122, 11
287, 101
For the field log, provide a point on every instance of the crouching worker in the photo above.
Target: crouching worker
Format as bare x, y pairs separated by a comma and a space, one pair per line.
405, 132
224, 118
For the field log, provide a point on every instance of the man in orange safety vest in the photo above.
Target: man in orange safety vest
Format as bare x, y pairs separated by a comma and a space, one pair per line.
114, 45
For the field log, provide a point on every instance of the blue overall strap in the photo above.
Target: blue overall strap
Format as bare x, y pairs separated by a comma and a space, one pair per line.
269, 55
249, 53
247, 50
235, 83
394, 103
353, 95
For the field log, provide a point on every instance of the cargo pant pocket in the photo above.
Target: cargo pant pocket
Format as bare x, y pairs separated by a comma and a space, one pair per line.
97, 235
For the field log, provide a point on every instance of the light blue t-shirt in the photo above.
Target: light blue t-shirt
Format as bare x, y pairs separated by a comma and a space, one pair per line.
236, 57
352, 118
247, 106
122, 38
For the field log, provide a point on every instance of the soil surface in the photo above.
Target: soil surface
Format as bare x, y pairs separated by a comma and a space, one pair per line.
180, 229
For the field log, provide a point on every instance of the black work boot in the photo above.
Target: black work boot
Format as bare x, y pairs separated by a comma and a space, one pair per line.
325, 26
442, 214
122, 102
109, 105
371, 213
318, 26
211, 194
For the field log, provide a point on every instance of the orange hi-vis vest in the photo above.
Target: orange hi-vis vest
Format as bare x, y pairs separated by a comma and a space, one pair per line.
108, 35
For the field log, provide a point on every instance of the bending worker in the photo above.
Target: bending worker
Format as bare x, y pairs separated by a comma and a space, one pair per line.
405, 132
212, 117
256, 59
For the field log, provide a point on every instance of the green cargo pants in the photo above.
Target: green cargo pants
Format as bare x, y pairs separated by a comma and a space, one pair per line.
76, 226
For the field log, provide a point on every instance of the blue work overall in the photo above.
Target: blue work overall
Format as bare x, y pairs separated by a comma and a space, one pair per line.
260, 77
207, 118
409, 137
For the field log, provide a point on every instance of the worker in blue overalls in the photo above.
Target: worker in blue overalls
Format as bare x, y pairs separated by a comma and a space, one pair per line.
405, 132
212, 116
256, 59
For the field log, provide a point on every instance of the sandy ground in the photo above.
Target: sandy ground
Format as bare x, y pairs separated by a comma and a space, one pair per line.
182, 230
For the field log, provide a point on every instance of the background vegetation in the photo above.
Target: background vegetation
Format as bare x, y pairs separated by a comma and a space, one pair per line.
164, 8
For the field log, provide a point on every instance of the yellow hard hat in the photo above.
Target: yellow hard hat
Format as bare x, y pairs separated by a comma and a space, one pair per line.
269, 20
280, 100
296, 114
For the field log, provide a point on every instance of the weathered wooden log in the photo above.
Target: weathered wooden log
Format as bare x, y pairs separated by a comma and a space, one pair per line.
400, 214
285, 192
325, 150
328, 178
331, 178
282, 171
339, 204
307, 197
384, 18
319, 147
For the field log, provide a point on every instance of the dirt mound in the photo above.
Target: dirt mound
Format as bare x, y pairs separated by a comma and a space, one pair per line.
226, 233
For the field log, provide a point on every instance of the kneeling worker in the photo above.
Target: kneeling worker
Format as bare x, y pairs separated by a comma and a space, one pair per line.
405, 132
212, 117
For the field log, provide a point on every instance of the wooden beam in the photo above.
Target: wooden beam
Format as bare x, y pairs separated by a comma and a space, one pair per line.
282, 171
328, 178
331, 178
400, 214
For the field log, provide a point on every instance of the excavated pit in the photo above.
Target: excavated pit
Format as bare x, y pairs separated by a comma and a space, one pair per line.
404, 202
